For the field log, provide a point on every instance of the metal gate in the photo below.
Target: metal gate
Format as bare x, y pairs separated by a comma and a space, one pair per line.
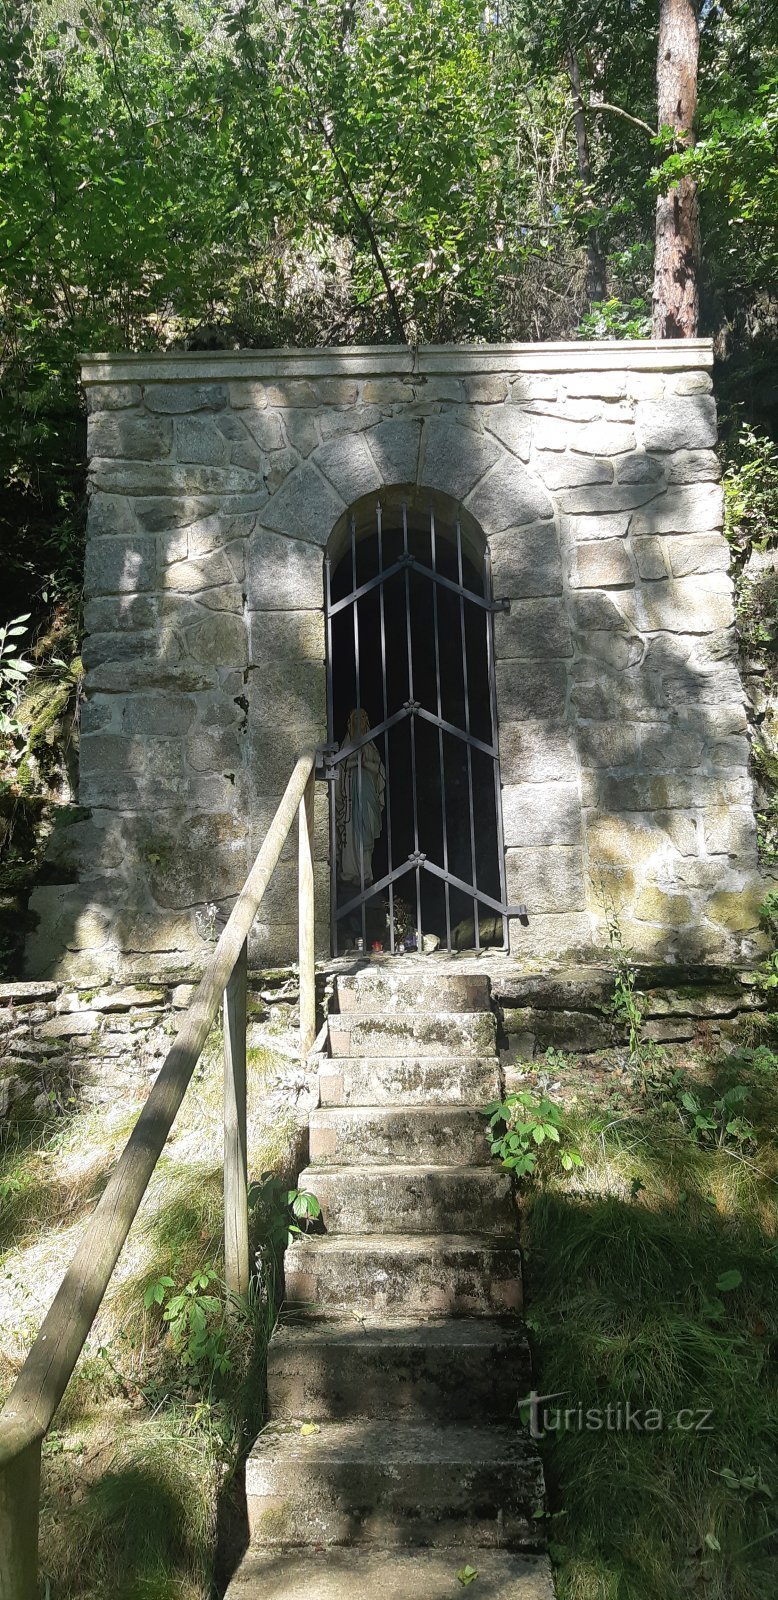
412, 755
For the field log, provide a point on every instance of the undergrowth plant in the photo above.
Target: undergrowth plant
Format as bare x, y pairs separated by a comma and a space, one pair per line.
524, 1127
14, 668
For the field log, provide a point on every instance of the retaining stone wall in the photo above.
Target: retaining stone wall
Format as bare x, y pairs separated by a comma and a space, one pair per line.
216, 483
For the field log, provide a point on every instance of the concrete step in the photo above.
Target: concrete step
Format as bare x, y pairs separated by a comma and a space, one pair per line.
393, 1483
412, 1199
386, 989
374, 1135
415, 1033
367, 1574
410, 1080
405, 1274
457, 1369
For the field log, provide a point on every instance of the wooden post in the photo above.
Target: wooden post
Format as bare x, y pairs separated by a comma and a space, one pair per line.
20, 1475
306, 915
236, 1216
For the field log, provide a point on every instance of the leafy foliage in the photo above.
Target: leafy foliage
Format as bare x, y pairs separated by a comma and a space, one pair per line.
522, 1127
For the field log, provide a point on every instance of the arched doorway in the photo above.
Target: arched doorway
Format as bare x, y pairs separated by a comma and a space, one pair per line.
416, 825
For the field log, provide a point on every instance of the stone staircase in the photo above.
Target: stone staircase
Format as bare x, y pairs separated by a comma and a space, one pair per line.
400, 1339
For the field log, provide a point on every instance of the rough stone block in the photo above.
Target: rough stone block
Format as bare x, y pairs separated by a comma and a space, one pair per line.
508, 498
549, 879
600, 526
488, 388
603, 439
593, 611
616, 651
208, 572
121, 565
158, 714
289, 694
603, 499
395, 447
532, 689
669, 748
534, 628
688, 605
602, 564
691, 383
569, 471
286, 636
551, 939
512, 427
454, 458
550, 432
730, 831
163, 478
693, 466
678, 423
605, 385
650, 558
159, 513
693, 553
531, 752
283, 574
207, 861
541, 814
526, 562
291, 392
639, 468
301, 429
696, 508
623, 840
117, 613
199, 440
347, 464
128, 434
305, 506
112, 396
220, 641
182, 397
607, 744
213, 752
738, 912
658, 905
533, 386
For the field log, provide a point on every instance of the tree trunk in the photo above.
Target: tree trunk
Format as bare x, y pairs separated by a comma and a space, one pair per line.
595, 261
677, 256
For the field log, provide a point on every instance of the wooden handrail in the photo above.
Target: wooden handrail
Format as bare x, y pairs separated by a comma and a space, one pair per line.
31, 1405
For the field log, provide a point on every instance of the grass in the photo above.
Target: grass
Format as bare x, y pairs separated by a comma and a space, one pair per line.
622, 1268
137, 1470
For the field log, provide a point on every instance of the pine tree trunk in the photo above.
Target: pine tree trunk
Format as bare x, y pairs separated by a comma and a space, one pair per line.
677, 256
595, 261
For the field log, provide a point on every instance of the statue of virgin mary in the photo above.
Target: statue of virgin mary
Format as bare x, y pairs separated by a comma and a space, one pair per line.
359, 803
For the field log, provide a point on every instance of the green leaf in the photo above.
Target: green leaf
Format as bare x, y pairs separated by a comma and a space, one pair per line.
467, 1575
729, 1280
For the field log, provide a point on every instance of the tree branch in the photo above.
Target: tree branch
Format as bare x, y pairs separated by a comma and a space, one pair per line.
618, 111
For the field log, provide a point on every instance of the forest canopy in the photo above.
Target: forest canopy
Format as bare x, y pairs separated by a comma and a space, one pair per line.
200, 173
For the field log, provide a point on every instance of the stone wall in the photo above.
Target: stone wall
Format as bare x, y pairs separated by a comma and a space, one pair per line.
216, 483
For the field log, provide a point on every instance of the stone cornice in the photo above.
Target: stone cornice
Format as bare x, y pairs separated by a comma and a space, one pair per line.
452, 360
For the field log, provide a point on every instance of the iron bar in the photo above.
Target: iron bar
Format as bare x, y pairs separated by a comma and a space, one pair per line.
413, 725
463, 634
491, 667
426, 572
331, 742
357, 696
441, 759
385, 702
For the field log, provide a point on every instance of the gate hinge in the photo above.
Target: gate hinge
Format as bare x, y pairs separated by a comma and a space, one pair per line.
325, 762
501, 605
